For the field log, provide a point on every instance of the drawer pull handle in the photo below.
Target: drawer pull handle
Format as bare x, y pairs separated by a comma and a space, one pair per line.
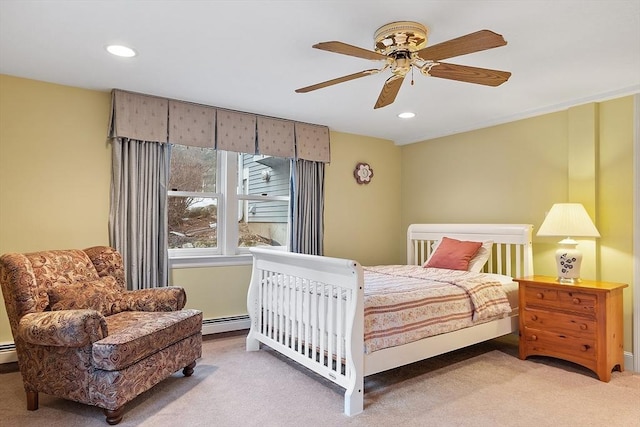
534, 338
584, 347
539, 295
583, 326
534, 317
576, 300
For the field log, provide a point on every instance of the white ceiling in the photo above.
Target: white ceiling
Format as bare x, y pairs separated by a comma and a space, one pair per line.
252, 55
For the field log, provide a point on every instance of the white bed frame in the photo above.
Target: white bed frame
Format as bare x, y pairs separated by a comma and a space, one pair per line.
294, 309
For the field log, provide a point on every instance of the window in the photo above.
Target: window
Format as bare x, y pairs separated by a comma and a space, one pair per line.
222, 203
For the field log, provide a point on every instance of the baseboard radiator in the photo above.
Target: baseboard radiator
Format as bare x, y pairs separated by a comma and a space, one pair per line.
209, 326
225, 324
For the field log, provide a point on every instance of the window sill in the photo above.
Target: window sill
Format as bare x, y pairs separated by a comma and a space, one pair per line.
210, 261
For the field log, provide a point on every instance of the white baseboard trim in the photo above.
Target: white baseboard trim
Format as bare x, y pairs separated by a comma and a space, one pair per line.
628, 361
9, 355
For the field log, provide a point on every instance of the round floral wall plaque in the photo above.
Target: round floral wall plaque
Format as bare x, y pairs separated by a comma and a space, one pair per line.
363, 173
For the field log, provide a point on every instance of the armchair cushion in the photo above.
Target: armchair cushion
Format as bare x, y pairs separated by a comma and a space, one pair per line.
103, 295
135, 335
62, 267
68, 328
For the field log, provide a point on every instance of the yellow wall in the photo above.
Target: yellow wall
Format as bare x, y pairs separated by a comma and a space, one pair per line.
217, 291
516, 171
362, 221
55, 166
508, 173
55, 172
614, 194
55, 169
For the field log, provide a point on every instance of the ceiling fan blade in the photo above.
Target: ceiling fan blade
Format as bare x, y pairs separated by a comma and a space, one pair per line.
474, 42
465, 73
337, 80
389, 91
347, 49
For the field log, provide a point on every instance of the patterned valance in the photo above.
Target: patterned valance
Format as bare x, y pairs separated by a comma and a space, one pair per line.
155, 119
192, 124
312, 142
276, 137
139, 116
236, 132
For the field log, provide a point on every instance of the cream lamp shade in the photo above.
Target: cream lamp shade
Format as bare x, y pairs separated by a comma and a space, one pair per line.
568, 220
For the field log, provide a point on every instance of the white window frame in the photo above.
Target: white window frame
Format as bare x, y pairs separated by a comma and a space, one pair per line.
227, 252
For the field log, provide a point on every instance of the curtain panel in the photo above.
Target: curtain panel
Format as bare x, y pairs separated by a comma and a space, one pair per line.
154, 119
307, 208
138, 211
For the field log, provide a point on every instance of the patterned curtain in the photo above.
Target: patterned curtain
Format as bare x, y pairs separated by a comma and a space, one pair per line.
138, 213
307, 207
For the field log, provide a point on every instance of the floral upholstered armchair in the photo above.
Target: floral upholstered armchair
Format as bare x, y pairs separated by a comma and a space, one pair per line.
80, 335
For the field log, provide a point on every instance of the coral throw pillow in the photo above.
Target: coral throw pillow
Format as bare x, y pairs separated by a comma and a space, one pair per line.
453, 254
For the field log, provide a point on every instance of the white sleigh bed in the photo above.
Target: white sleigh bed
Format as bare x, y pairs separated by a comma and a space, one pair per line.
312, 308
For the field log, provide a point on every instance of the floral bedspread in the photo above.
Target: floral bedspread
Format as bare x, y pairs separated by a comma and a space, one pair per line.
406, 303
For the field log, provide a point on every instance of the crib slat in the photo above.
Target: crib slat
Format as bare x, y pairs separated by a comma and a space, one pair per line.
330, 328
339, 330
323, 321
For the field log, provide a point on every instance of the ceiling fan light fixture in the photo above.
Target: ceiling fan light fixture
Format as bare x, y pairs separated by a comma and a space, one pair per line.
400, 35
122, 51
407, 115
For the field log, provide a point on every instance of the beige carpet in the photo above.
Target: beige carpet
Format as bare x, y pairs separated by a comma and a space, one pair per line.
484, 385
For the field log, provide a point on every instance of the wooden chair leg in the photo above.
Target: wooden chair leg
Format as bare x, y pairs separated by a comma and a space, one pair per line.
114, 416
32, 400
188, 370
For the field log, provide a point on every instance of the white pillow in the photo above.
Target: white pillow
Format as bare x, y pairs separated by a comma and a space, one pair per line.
479, 259
504, 280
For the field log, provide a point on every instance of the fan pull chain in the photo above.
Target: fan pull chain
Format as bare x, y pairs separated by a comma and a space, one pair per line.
412, 75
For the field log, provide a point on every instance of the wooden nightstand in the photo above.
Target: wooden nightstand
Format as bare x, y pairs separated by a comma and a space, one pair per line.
581, 322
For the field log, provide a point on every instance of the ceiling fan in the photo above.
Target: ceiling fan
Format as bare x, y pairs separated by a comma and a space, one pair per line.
401, 45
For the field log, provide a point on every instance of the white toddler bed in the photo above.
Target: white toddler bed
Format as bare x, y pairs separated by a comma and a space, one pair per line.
312, 309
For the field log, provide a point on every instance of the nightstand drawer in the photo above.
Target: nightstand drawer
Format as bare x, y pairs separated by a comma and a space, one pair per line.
579, 302
580, 326
578, 349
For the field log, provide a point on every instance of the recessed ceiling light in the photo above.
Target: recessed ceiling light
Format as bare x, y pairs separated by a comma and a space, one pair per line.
407, 115
119, 50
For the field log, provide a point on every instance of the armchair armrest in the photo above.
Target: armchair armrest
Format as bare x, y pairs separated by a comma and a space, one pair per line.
63, 328
170, 298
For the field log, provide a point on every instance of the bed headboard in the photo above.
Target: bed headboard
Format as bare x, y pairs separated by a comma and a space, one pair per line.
511, 253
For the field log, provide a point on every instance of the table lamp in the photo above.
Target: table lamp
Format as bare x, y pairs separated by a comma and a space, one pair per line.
571, 220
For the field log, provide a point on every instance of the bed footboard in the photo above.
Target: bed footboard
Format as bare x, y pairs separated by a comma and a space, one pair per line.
310, 309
